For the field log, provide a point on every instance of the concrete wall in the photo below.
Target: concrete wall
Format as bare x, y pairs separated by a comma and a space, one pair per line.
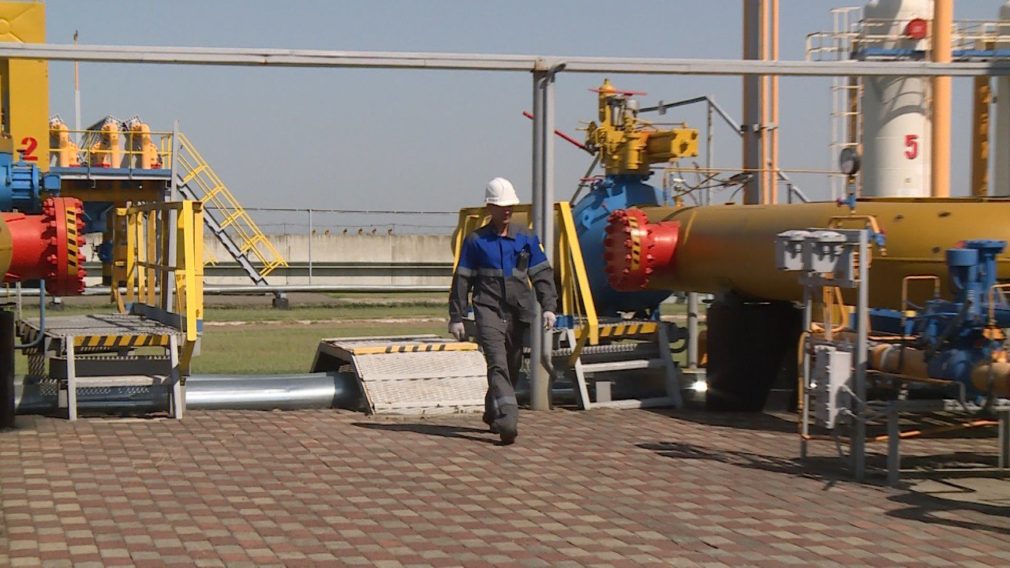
353, 259
339, 259
356, 248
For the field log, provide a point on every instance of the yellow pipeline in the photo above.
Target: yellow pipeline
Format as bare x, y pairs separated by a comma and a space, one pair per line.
912, 362
732, 247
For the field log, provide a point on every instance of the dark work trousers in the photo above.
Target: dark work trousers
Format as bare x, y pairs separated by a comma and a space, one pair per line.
501, 340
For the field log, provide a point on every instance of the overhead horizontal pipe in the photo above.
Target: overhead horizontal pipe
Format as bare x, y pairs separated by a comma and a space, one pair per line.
489, 62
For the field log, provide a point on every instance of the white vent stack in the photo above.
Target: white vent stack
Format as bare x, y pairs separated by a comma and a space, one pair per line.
896, 122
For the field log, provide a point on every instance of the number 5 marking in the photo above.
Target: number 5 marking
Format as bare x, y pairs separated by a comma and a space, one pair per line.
911, 146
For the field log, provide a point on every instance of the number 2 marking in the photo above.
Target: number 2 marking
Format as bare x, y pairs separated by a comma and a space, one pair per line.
28, 152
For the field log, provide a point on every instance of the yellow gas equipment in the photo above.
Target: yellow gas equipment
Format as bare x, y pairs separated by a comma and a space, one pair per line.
64, 152
107, 152
628, 144
143, 153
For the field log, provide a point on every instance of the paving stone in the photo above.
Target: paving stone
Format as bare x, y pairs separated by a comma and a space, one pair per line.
601, 488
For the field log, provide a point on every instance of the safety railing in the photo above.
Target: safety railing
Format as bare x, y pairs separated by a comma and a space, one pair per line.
161, 266
111, 148
888, 38
227, 218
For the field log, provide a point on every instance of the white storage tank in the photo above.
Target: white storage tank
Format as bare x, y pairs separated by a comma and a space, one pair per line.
896, 122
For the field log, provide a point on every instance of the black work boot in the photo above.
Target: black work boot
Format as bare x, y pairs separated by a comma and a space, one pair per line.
508, 435
490, 423
508, 423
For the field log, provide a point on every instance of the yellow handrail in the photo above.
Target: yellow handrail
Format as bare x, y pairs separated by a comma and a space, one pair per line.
168, 282
212, 192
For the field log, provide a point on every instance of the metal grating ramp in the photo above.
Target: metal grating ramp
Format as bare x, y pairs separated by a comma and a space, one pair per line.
411, 375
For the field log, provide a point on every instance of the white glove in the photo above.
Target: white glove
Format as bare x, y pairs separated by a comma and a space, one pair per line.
549, 320
456, 330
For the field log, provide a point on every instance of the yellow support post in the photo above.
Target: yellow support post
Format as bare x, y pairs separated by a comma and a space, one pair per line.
24, 83
579, 285
980, 138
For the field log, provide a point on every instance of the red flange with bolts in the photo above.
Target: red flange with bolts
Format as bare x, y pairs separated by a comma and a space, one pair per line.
634, 248
47, 246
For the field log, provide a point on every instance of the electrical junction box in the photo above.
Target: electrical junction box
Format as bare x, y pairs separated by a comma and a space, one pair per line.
831, 377
819, 253
789, 250
824, 252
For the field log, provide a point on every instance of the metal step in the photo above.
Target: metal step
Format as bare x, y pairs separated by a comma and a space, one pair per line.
413, 376
627, 365
122, 381
92, 366
632, 403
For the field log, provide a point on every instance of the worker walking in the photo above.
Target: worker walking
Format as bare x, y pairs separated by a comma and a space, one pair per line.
497, 262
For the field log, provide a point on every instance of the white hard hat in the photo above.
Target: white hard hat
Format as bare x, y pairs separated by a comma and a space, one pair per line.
500, 192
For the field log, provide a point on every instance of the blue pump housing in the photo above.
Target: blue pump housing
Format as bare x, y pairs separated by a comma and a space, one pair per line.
21, 185
590, 215
953, 333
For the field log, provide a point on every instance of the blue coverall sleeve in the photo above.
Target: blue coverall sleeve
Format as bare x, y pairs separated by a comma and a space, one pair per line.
542, 276
462, 279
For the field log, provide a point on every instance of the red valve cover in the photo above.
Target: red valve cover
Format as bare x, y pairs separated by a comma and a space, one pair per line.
48, 246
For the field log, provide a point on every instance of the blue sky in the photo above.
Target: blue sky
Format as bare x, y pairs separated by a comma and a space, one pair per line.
426, 140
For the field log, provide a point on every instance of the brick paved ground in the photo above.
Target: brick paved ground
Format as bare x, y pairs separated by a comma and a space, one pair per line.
607, 488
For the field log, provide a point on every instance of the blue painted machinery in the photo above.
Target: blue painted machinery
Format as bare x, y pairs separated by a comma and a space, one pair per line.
962, 340
626, 147
22, 185
606, 195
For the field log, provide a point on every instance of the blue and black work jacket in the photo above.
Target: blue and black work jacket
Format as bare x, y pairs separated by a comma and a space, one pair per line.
499, 269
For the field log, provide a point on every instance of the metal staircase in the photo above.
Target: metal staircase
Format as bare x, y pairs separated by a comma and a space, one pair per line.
223, 214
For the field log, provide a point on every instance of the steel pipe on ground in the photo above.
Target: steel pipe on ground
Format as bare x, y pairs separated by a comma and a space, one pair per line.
207, 392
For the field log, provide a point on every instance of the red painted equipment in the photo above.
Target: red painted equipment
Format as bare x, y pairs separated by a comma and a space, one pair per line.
45, 246
634, 248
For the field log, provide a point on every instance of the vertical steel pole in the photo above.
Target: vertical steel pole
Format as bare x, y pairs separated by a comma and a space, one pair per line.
862, 314
1001, 149
538, 377
943, 18
808, 319
893, 444
693, 303
980, 137
310, 245
1004, 438
547, 238
692, 330
7, 408
78, 136
173, 189
752, 103
709, 148
171, 239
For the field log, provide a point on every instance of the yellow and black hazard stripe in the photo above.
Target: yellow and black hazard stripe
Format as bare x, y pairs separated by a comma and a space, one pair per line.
413, 348
619, 329
71, 220
612, 330
636, 243
121, 341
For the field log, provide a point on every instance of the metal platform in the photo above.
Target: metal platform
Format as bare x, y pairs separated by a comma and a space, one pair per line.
106, 174
626, 347
76, 350
420, 374
105, 331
